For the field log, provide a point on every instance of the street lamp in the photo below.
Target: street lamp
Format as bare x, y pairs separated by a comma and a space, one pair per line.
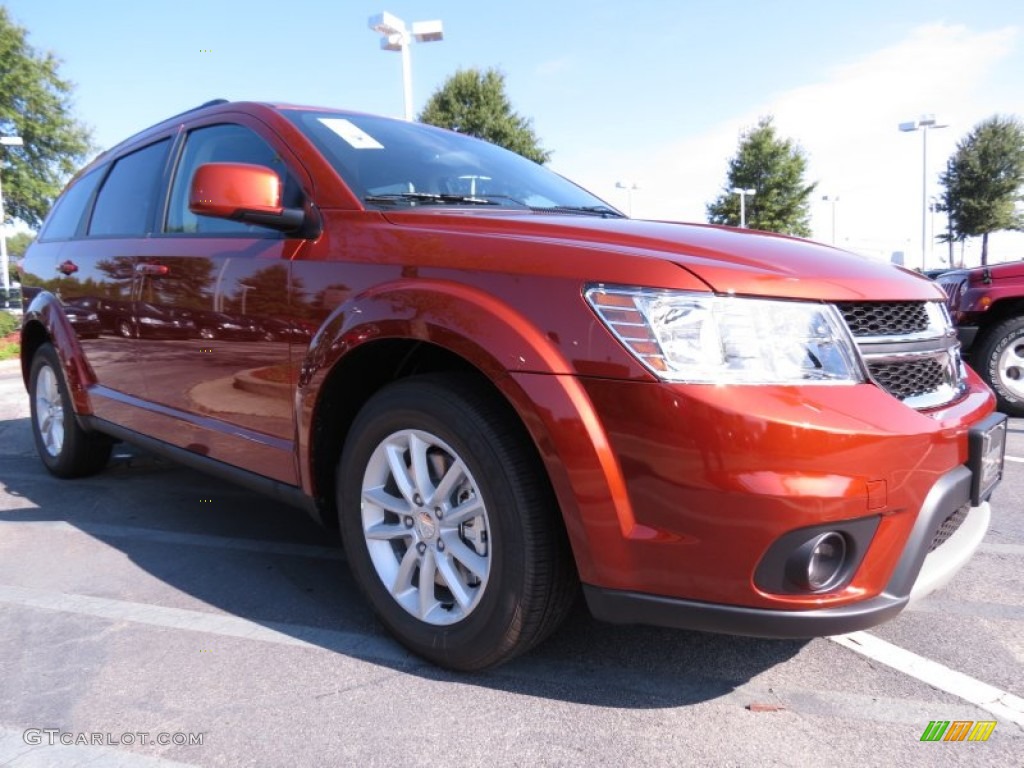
923, 124
832, 199
629, 186
743, 193
396, 37
6, 141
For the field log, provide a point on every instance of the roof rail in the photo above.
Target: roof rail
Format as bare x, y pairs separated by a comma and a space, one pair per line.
211, 103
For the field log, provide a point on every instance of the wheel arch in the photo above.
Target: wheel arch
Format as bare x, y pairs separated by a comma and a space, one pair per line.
45, 321
1001, 310
439, 327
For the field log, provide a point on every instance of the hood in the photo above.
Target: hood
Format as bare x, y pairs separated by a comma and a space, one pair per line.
1012, 270
728, 260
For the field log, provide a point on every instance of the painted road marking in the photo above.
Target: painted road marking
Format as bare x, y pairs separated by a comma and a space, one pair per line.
361, 646
158, 536
1014, 458
1004, 705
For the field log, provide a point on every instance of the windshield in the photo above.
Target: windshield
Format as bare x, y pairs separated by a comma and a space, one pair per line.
392, 163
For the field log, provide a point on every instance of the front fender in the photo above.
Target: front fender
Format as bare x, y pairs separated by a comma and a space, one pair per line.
477, 326
45, 315
503, 345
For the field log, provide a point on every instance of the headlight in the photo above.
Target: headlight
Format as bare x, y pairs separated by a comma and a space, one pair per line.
708, 339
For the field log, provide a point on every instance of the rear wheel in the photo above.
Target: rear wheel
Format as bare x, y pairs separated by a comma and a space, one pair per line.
1000, 361
65, 448
450, 525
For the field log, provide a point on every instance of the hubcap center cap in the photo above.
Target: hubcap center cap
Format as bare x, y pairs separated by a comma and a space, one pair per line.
426, 525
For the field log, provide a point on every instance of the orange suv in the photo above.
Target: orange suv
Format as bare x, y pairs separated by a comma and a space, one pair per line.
507, 387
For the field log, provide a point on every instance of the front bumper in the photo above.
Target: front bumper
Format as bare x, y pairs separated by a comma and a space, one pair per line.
926, 565
966, 335
674, 496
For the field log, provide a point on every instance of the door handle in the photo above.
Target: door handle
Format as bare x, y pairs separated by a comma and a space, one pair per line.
152, 270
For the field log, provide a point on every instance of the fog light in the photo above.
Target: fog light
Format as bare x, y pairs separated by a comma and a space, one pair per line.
828, 553
819, 562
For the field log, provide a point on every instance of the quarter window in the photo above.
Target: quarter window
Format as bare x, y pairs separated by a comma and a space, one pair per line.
129, 194
67, 214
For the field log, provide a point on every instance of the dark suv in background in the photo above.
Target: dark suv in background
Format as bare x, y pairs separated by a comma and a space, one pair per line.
987, 305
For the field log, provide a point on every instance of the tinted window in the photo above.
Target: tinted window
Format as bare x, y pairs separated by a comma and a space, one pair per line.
67, 214
223, 144
129, 194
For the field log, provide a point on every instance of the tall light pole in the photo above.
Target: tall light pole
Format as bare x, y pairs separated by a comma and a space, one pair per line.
743, 193
923, 124
629, 186
6, 141
397, 37
832, 199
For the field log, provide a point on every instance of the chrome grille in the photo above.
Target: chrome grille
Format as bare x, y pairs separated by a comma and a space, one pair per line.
949, 526
885, 318
909, 349
953, 285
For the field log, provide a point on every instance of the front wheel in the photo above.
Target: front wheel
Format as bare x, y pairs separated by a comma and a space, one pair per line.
65, 448
450, 525
1000, 361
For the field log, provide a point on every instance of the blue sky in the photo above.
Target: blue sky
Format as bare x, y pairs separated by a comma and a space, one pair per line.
655, 93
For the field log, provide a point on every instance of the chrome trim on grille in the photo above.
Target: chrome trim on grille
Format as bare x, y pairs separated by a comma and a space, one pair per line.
918, 332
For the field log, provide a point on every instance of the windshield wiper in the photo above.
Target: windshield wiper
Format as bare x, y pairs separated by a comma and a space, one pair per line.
429, 197
583, 210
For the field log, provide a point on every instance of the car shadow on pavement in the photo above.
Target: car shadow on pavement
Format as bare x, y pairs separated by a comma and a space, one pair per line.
249, 557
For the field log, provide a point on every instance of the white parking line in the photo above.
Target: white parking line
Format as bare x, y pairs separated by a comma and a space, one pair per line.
158, 536
368, 647
1002, 704
1014, 458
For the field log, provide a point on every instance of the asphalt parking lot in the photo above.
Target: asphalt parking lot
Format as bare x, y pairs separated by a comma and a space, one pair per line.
152, 616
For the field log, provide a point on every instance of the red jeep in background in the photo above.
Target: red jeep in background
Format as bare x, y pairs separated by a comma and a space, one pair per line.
987, 305
509, 388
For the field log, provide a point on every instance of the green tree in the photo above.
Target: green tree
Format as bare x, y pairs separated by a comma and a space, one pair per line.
984, 180
17, 244
35, 103
774, 168
474, 103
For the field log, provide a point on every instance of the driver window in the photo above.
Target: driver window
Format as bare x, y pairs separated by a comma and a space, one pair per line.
223, 144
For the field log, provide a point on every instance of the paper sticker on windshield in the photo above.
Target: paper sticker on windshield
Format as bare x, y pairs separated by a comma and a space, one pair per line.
353, 135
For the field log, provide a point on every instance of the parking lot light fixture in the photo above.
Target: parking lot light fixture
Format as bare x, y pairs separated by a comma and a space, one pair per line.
923, 124
743, 193
396, 36
6, 141
629, 186
833, 199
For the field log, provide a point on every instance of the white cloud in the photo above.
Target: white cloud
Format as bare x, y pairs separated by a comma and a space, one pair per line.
847, 124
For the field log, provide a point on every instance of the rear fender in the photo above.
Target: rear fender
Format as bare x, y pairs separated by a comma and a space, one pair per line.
46, 312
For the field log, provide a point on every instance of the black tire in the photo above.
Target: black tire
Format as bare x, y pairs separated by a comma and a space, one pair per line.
1000, 362
124, 328
65, 448
529, 582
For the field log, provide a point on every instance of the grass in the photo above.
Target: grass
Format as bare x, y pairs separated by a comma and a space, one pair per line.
9, 347
9, 350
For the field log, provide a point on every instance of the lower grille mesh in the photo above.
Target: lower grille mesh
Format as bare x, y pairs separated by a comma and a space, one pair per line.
949, 526
908, 379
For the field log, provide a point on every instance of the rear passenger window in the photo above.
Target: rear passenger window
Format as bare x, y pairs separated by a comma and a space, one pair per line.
129, 194
67, 213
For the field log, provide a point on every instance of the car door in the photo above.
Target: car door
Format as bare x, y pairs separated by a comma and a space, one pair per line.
225, 391
96, 270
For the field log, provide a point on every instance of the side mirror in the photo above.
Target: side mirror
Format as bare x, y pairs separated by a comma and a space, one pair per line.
242, 192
